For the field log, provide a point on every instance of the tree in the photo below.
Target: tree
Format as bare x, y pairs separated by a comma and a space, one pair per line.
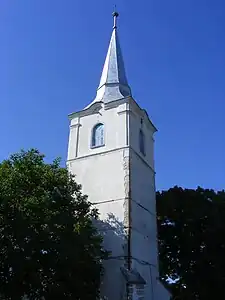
191, 229
49, 247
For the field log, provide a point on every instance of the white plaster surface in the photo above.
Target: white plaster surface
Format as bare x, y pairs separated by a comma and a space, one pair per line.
107, 175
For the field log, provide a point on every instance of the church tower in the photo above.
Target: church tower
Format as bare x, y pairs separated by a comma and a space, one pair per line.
111, 152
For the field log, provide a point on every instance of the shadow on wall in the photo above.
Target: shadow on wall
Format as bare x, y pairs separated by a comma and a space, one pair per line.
116, 275
113, 284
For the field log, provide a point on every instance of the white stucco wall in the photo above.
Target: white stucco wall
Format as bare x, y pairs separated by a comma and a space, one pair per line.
102, 179
143, 212
101, 173
81, 130
106, 174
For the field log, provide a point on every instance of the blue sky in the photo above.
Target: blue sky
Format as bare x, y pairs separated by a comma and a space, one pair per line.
51, 57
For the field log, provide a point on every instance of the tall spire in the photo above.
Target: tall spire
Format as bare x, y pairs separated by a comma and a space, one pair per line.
113, 84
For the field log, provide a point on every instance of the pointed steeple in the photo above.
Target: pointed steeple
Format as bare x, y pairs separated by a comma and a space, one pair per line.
113, 84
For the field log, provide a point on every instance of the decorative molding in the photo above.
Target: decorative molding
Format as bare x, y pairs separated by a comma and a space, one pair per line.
127, 127
98, 146
77, 137
126, 176
126, 190
75, 125
112, 150
98, 153
92, 109
128, 111
127, 209
116, 103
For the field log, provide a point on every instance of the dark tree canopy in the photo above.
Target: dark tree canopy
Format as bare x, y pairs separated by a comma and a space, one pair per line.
191, 225
48, 244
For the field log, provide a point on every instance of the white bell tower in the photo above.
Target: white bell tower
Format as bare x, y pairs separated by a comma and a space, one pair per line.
111, 152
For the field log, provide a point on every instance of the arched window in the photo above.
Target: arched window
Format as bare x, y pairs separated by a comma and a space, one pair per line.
97, 138
142, 141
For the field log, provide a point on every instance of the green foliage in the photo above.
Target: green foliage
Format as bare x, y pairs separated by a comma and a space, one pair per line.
191, 226
49, 247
